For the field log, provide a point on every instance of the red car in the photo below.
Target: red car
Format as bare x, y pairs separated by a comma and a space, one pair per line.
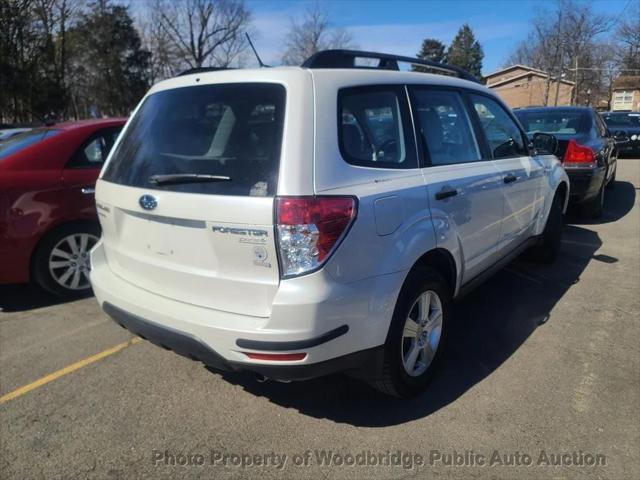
48, 220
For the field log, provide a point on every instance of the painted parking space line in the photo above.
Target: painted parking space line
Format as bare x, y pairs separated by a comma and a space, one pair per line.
68, 369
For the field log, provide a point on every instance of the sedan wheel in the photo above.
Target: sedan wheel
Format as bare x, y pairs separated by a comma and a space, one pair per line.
61, 262
69, 261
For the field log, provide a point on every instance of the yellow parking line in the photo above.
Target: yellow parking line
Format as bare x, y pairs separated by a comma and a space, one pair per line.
68, 369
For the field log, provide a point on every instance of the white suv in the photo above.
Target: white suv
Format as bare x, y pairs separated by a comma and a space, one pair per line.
294, 222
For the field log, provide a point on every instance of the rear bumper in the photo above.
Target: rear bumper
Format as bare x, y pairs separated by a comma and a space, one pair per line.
193, 348
585, 184
338, 326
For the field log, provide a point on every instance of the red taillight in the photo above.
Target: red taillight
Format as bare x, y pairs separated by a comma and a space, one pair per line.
577, 155
277, 357
309, 228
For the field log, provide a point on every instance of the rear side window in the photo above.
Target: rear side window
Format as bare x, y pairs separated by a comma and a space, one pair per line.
444, 127
95, 150
233, 131
373, 127
24, 140
502, 133
600, 125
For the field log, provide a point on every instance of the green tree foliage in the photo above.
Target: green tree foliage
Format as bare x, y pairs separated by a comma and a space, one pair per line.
30, 81
465, 51
432, 49
109, 67
58, 59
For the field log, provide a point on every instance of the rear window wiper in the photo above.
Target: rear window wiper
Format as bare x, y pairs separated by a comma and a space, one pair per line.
174, 178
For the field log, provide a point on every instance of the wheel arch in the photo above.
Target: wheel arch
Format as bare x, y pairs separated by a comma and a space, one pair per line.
443, 262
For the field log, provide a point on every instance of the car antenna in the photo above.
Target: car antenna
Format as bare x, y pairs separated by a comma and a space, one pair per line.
262, 65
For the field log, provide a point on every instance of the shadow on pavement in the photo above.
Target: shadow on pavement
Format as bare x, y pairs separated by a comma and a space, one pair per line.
488, 327
618, 202
23, 297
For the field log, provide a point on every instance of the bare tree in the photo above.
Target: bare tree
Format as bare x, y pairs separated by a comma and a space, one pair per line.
165, 61
629, 36
563, 42
204, 31
312, 34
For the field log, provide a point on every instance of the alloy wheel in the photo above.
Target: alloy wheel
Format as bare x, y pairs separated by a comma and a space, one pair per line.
421, 333
69, 262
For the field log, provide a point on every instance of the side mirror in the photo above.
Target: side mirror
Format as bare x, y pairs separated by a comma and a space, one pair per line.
620, 136
544, 144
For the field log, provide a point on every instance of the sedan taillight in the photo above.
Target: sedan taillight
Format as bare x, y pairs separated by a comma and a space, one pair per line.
309, 230
578, 156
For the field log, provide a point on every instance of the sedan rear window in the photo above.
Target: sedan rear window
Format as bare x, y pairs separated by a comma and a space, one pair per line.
219, 139
554, 122
24, 140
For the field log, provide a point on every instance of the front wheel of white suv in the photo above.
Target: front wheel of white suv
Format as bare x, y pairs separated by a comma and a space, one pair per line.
416, 335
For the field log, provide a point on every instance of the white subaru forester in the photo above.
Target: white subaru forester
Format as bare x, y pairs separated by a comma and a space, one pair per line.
294, 222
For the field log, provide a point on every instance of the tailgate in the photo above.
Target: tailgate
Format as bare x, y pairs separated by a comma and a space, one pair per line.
186, 199
212, 251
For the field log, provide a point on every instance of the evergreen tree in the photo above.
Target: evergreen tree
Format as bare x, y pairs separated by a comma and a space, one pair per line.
109, 66
465, 52
431, 49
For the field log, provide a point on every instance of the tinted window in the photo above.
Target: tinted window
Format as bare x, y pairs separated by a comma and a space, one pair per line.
24, 140
550, 121
502, 133
373, 130
94, 151
600, 125
443, 124
227, 130
622, 119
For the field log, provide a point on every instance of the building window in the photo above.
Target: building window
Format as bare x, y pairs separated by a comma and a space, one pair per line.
623, 99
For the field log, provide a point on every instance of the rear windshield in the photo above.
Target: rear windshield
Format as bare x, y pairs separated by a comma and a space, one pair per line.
622, 119
22, 141
227, 130
555, 122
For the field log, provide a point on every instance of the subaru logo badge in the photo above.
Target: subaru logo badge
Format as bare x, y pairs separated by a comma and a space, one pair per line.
148, 202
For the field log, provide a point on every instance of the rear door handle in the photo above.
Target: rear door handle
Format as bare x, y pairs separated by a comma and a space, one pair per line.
88, 190
510, 178
446, 192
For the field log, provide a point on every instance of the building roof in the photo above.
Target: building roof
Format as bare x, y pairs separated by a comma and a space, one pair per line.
626, 82
513, 67
527, 71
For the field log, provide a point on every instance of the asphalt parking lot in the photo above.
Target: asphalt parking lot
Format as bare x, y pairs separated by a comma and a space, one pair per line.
544, 367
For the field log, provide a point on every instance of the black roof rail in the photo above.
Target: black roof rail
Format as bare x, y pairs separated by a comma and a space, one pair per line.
347, 59
202, 70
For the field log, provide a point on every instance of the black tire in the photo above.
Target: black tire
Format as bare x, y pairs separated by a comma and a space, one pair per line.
40, 270
393, 378
592, 208
547, 249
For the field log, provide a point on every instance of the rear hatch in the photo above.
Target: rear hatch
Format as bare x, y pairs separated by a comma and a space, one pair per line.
186, 200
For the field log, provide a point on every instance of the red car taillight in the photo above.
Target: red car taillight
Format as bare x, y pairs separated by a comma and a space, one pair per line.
578, 156
309, 229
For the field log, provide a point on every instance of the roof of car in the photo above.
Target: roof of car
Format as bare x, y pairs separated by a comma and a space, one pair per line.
106, 122
571, 108
341, 76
